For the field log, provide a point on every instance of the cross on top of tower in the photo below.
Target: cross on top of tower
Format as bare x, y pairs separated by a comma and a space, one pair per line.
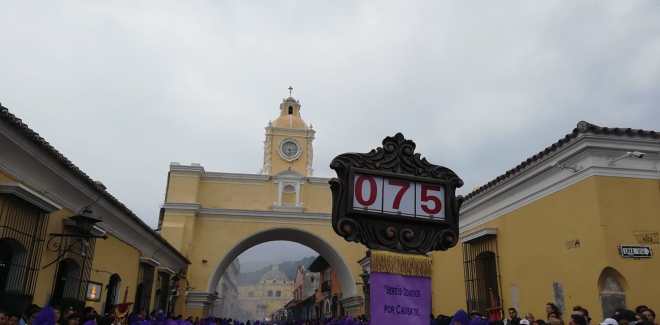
290, 91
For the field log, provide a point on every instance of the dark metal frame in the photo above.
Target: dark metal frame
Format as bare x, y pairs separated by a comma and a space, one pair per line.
478, 297
100, 285
26, 224
395, 159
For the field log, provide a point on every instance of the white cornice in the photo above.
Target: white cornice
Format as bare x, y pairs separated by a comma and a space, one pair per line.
296, 130
280, 213
263, 214
176, 167
478, 234
318, 180
586, 156
29, 196
220, 176
150, 261
166, 270
182, 207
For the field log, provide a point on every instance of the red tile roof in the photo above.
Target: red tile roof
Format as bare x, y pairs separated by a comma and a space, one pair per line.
581, 128
30, 134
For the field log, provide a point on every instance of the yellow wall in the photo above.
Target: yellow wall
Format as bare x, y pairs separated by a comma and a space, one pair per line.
186, 185
447, 281
178, 229
46, 276
112, 256
627, 206
237, 195
316, 197
533, 251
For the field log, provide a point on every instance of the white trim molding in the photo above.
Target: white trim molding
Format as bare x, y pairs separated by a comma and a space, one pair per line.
478, 234
22, 192
218, 212
200, 299
586, 156
150, 261
166, 270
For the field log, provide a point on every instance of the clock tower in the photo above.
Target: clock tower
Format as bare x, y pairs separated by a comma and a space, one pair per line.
288, 144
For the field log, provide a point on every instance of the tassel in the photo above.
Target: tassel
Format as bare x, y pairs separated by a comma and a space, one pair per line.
402, 264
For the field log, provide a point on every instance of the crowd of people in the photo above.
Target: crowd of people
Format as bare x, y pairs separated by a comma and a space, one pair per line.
642, 315
51, 315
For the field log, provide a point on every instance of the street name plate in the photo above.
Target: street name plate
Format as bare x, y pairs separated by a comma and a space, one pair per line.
631, 251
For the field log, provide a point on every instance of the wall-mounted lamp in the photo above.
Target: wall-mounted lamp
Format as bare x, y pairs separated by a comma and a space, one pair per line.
629, 154
83, 225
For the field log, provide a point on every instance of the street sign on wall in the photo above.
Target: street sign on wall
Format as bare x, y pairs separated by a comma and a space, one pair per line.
391, 198
632, 251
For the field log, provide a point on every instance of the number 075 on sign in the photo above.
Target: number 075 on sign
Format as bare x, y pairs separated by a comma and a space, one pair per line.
396, 196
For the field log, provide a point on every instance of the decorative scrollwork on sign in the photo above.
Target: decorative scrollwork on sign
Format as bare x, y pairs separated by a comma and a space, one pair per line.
396, 158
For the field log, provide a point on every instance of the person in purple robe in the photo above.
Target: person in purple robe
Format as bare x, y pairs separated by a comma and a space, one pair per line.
460, 318
46, 316
89, 316
478, 321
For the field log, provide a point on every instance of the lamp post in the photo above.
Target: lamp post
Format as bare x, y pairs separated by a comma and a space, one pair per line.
84, 222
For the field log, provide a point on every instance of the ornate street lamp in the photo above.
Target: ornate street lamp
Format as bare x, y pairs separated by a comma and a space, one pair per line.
85, 223
83, 226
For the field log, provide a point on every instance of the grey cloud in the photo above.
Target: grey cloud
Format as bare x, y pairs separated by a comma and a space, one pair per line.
123, 88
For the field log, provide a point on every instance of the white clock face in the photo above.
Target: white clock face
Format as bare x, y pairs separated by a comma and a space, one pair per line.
289, 149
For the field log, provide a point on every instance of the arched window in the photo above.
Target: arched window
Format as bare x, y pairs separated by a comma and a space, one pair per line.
67, 282
12, 263
482, 282
278, 293
290, 110
612, 286
327, 308
112, 293
270, 293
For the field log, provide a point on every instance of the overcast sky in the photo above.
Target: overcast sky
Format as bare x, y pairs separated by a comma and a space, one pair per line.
123, 88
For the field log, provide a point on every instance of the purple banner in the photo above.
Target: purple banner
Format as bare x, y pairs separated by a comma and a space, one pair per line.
399, 300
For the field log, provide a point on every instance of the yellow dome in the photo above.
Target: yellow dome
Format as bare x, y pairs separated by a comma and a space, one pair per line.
289, 121
290, 115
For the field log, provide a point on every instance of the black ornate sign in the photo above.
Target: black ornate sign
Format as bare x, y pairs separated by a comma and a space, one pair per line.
393, 199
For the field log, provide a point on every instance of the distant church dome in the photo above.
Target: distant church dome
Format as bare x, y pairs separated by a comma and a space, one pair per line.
274, 274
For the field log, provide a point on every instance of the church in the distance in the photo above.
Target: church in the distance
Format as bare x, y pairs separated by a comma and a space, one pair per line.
260, 300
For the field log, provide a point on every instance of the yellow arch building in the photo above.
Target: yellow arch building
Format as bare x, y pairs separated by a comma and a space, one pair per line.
213, 217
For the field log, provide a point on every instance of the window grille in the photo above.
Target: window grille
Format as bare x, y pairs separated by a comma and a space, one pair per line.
75, 267
145, 284
162, 293
22, 236
482, 276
